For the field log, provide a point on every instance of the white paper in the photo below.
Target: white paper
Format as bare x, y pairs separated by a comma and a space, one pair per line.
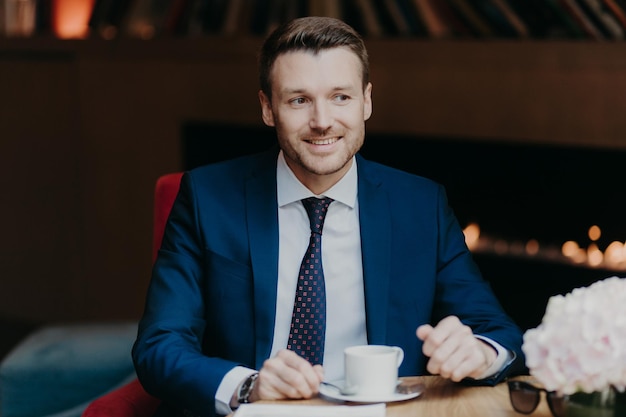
287, 410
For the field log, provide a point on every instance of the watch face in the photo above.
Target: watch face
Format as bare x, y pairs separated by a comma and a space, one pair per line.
246, 388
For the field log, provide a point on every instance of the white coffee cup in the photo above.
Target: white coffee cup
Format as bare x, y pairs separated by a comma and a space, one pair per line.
372, 370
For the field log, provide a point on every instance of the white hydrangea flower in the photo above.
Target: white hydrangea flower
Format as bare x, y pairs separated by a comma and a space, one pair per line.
580, 344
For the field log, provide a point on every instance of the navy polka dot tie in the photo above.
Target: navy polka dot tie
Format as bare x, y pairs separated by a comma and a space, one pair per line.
308, 321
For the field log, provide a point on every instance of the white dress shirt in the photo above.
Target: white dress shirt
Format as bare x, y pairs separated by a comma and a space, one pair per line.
341, 260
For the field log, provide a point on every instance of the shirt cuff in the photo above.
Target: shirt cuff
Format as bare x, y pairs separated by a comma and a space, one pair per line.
227, 388
502, 358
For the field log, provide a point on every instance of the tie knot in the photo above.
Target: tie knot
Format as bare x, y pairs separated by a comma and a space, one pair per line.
316, 208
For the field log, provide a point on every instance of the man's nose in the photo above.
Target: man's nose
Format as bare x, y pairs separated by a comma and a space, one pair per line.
321, 117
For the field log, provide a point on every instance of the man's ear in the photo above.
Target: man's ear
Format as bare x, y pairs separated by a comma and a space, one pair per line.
266, 109
367, 102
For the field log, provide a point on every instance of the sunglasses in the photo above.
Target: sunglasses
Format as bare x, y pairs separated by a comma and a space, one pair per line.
525, 398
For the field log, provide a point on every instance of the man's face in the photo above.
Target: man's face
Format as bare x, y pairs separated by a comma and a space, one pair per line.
319, 110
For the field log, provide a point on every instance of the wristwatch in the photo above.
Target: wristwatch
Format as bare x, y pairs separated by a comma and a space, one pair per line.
243, 396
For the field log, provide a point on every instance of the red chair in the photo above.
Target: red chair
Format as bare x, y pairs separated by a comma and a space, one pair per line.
131, 400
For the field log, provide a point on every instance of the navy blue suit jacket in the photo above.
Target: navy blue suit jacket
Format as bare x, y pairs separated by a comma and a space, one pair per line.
211, 301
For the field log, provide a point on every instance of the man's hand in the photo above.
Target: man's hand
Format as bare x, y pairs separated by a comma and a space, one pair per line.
287, 376
454, 352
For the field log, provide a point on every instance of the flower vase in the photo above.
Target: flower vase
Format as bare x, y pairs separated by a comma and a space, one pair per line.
606, 403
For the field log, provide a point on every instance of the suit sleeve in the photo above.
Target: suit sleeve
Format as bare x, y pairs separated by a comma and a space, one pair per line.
168, 354
462, 291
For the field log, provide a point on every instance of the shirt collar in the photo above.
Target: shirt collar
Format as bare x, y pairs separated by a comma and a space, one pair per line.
290, 189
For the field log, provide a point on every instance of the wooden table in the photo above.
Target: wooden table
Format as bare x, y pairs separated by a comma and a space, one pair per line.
443, 398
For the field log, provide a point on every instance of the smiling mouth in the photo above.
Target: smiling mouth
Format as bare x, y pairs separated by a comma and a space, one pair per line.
328, 141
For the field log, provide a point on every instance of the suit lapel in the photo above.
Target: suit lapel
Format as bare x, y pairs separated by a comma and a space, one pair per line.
375, 220
262, 219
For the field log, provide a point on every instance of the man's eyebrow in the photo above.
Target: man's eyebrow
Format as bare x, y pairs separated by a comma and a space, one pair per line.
343, 88
303, 91
293, 91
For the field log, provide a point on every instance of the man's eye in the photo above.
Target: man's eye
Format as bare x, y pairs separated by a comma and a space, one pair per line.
298, 100
342, 97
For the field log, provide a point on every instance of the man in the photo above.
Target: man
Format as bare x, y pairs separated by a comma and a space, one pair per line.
396, 269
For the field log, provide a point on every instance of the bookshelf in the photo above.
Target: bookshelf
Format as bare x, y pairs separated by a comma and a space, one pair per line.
598, 20
88, 125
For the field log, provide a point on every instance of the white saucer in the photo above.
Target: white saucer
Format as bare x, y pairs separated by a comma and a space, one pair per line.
333, 393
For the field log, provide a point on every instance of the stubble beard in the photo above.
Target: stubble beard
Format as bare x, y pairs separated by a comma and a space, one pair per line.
320, 165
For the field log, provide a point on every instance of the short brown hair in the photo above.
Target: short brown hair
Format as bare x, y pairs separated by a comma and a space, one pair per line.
313, 33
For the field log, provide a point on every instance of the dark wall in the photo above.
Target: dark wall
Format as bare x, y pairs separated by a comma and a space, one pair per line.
517, 191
